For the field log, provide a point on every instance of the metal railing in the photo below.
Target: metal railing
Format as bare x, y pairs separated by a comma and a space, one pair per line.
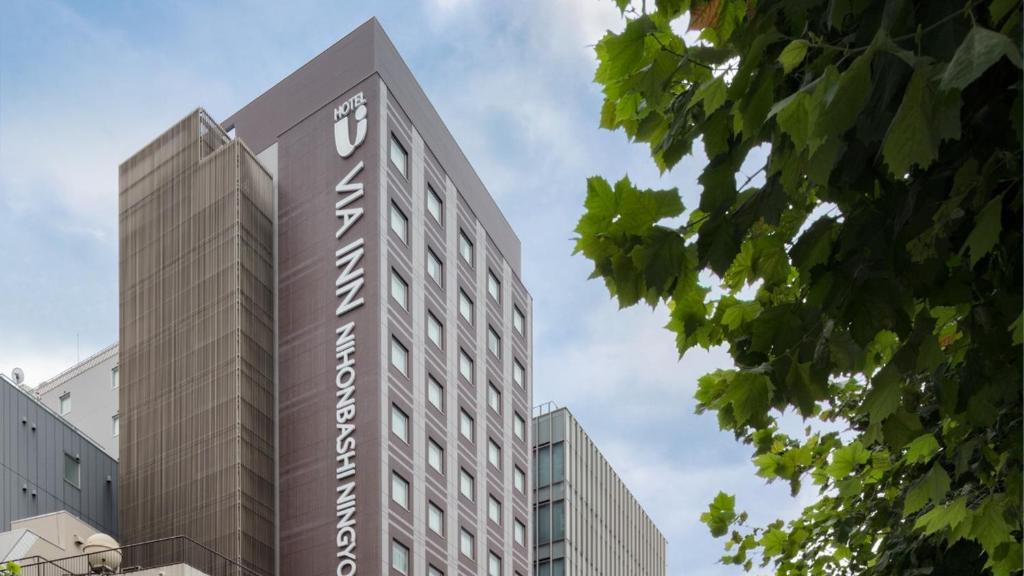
138, 557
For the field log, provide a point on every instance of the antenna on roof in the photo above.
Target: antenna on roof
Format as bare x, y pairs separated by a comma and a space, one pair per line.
18, 375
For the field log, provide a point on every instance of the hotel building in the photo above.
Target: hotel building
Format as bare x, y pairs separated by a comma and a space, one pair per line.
325, 342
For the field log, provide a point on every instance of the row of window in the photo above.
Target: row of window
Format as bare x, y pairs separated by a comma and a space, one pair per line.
435, 270
467, 544
400, 360
64, 401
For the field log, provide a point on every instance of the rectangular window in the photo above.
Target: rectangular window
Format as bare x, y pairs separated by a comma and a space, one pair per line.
519, 480
518, 373
493, 453
399, 490
493, 397
494, 510
466, 487
493, 564
398, 156
399, 223
435, 331
466, 366
519, 426
434, 572
434, 268
493, 342
435, 393
434, 205
435, 456
115, 425
558, 520
435, 519
115, 379
466, 427
465, 306
558, 462
519, 533
465, 248
543, 475
72, 470
399, 557
518, 320
466, 543
493, 286
399, 356
65, 403
399, 290
399, 423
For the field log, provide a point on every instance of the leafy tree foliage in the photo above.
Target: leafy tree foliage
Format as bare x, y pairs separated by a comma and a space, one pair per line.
870, 270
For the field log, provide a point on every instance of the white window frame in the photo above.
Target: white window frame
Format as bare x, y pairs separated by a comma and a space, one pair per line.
434, 263
434, 199
399, 285
466, 249
467, 543
64, 403
467, 485
399, 557
467, 425
435, 515
493, 398
399, 423
403, 233
493, 286
519, 532
396, 146
493, 453
435, 330
466, 366
435, 387
399, 356
435, 452
493, 509
518, 320
115, 378
519, 480
493, 342
518, 374
466, 306
519, 426
115, 425
400, 490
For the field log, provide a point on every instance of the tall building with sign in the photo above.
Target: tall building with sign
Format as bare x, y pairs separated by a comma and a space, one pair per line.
326, 349
586, 519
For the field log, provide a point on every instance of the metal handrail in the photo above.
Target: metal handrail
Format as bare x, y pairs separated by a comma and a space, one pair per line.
78, 564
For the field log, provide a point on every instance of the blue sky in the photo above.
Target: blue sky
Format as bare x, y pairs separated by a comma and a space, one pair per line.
85, 84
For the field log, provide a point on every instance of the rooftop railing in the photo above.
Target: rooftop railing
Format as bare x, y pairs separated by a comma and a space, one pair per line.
139, 557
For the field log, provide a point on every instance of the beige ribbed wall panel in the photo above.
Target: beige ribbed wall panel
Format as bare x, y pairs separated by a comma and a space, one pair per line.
606, 531
196, 343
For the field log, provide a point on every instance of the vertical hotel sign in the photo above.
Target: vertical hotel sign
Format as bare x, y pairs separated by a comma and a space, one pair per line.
348, 256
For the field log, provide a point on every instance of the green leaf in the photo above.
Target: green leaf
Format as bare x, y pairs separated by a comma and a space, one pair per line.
945, 517
987, 227
847, 458
925, 118
989, 526
712, 94
980, 49
922, 449
933, 487
792, 55
884, 396
1017, 330
845, 98
720, 514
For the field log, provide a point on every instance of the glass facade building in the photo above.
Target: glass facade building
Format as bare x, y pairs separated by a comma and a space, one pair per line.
586, 522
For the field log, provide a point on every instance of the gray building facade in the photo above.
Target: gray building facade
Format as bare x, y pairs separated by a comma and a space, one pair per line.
587, 523
48, 465
86, 396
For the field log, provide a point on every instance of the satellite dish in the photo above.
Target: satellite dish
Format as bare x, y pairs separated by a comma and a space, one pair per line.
19, 375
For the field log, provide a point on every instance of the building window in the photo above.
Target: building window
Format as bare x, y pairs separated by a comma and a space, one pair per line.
518, 373
434, 330
493, 342
434, 572
65, 403
493, 286
434, 268
518, 320
466, 425
399, 157
435, 393
435, 519
399, 423
493, 564
399, 223
466, 543
519, 426
519, 533
493, 453
399, 290
465, 306
400, 490
115, 379
72, 470
115, 425
519, 480
399, 356
494, 510
493, 397
434, 205
435, 456
465, 248
466, 487
399, 557
466, 366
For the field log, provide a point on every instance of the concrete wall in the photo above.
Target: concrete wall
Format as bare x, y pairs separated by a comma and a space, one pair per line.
93, 397
33, 444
